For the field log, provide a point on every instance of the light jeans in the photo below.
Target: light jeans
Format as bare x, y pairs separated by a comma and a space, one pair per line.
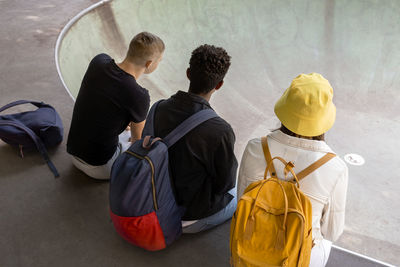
102, 172
320, 253
215, 219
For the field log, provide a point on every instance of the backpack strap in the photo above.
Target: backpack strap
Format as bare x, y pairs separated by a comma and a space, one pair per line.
315, 165
182, 129
149, 126
188, 125
301, 175
20, 102
268, 158
38, 142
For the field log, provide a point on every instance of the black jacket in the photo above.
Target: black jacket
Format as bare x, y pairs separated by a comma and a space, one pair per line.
202, 164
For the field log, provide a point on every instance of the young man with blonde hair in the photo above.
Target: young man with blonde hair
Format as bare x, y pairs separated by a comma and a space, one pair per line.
109, 100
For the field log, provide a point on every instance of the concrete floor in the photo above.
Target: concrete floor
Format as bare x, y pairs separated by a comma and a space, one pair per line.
64, 222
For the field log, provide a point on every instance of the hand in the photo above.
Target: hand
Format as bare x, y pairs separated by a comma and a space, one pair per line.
136, 131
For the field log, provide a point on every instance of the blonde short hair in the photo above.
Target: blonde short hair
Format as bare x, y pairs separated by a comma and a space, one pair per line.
143, 47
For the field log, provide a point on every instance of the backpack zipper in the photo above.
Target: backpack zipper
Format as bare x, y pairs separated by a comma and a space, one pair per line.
152, 182
21, 153
152, 175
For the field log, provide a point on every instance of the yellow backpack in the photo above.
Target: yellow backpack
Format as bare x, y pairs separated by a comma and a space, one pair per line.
272, 225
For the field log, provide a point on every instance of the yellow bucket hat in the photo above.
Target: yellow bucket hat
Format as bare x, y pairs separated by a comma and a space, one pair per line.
306, 107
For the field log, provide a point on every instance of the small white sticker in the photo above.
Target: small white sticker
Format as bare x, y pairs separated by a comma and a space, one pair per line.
354, 159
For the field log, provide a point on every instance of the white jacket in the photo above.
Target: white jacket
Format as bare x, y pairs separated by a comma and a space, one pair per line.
326, 187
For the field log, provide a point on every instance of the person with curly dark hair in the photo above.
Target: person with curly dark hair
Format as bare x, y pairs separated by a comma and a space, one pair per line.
208, 66
202, 163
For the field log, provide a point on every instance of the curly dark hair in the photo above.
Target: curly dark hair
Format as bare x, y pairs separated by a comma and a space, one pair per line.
207, 67
289, 132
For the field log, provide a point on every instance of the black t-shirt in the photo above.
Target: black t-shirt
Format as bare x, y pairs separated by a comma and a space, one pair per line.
202, 163
109, 98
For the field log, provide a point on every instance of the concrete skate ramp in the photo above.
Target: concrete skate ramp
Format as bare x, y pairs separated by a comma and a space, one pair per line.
354, 44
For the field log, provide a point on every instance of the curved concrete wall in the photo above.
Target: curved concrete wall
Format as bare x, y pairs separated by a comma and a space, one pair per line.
354, 44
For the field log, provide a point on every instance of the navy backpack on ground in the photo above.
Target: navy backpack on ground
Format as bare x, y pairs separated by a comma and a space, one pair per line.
38, 129
142, 203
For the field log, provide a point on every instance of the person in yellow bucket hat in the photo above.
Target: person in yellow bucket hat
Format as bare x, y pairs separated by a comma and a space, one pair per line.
306, 107
306, 112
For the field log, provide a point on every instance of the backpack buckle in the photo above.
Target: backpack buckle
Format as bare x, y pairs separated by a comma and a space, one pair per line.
288, 167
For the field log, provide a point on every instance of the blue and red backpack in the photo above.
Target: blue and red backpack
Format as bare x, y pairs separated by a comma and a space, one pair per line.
142, 203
